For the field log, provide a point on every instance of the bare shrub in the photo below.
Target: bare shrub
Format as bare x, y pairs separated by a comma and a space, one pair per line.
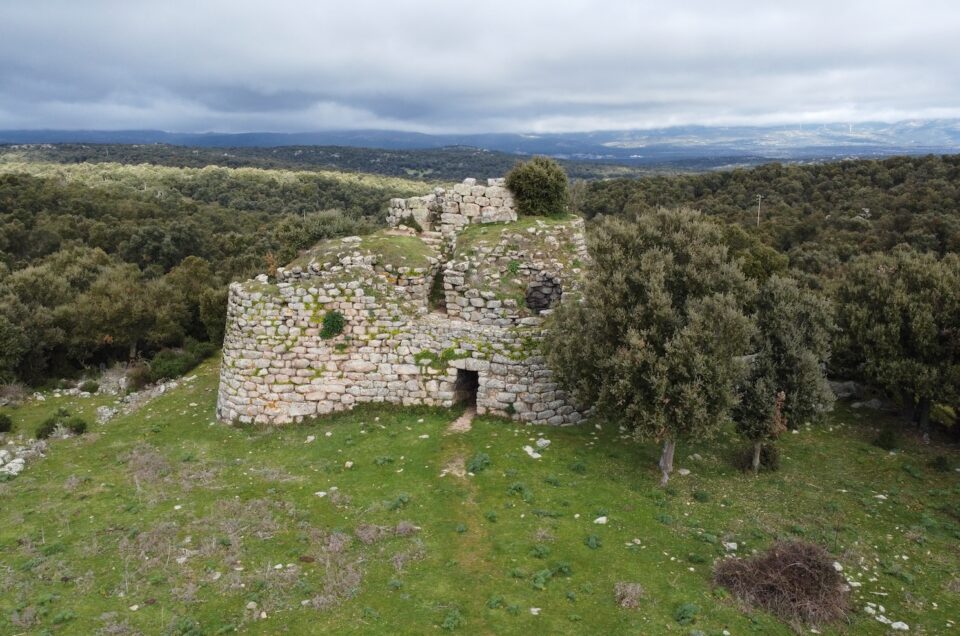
237, 518
146, 465
794, 580
114, 626
339, 499
26, 617
159, 543
342, 578
337, 542
13, 394
415, 553
201, 476
370, 533
71, 483
628, 595
953, 586
186, 593
543, 535
270, 473
406, 529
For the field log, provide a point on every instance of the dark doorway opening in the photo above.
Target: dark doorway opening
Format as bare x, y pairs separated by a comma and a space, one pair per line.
437, 299
465, 389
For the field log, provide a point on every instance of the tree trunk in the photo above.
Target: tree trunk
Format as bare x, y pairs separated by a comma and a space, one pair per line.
909, 406
666, 460
133, 351
757, 447
923, 408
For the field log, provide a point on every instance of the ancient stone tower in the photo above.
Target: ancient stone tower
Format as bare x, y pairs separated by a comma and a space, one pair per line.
445, 306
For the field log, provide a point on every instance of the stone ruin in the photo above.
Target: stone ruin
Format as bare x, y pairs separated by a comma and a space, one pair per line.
445, 306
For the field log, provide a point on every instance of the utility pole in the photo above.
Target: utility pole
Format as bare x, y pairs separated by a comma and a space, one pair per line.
759, 199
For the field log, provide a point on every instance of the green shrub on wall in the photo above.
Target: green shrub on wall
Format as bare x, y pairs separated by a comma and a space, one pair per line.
333, 324
539, 187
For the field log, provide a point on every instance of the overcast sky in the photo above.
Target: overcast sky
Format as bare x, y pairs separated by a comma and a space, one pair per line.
480, 66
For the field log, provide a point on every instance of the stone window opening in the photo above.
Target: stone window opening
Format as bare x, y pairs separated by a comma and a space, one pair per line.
543, 293
466, 387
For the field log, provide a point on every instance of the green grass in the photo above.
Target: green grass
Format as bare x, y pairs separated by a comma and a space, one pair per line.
98, 525
489, 234
399, 251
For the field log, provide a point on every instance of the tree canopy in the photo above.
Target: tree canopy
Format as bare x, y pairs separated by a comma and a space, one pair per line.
655, 342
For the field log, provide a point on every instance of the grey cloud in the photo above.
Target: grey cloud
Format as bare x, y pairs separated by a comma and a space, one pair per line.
445, 66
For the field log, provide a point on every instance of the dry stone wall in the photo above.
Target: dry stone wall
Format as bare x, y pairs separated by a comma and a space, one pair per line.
395, 348
448, 212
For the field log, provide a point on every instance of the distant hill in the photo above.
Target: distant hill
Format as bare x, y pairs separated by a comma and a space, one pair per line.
685, 147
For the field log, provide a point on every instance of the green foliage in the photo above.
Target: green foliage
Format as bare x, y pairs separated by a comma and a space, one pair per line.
333, 324
785, 385
686, 614
888, 439
900, 314
592, 541
173, 363
89, 386
539, 187
61, 419
453, 619
664, 302
820, 215
6, 424
478, 463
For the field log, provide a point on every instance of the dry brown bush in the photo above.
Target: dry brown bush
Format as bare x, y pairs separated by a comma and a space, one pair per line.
793, 580
406, 529
415, 553
370, 533
628, 595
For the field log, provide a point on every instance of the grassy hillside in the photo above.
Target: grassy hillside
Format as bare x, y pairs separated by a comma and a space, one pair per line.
164, 521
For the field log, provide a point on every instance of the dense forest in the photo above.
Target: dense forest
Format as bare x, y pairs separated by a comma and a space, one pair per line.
103, 261
818, 215
440, 164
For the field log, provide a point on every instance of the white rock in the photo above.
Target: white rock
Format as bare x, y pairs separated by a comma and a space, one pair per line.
600, 520
310, 438
900, 626
424, 436
837, 566
542, 443
134, 608
532, 453
535, 611
348, 464
14, 467
731, 546
683, 472
321, 493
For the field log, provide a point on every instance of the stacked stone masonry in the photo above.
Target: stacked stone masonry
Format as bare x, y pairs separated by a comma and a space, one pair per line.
396, 347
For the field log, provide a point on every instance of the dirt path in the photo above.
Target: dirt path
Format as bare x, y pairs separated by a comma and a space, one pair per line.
462, 424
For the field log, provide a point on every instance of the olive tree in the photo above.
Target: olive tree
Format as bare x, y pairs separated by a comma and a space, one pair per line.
785, 384
900, 314
655, 340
